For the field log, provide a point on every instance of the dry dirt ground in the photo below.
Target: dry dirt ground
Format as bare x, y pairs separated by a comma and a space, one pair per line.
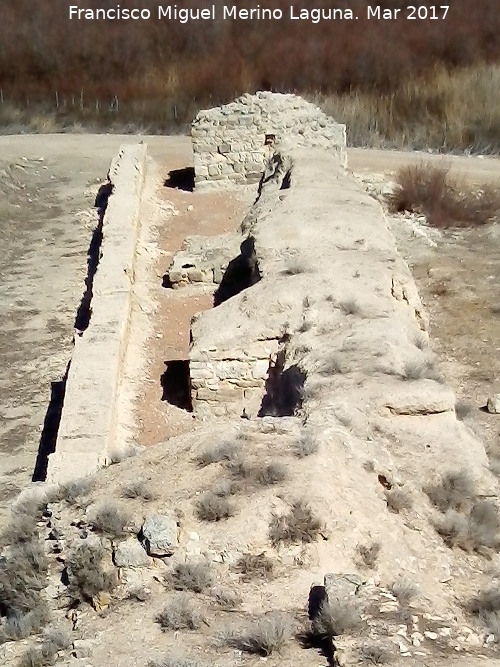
464, 332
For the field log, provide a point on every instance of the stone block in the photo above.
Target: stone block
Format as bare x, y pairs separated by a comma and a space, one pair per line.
224, 148
131, 553
160, 534
260, 369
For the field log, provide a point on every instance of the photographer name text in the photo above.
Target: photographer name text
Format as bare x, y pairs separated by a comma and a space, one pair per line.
257, 13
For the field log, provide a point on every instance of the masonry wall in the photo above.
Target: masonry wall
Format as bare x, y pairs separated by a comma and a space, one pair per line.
88, 421
229, 142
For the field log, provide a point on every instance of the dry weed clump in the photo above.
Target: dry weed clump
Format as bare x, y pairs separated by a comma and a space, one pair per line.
398, 500
456, 490
463, 409
421, 369
227, 451
173, 661
226, 599
263, 636
110, 519
86, 574
196, 577
180, 614
430, 190
299, 525
46, 654
74, 491
375, 654
23, 576
138, 489
335, 618
211, 507
369, 553
404, 590
350, 307
255, 566
306, 446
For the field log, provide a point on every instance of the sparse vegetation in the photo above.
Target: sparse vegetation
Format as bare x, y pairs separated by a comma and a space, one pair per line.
23, 576
172, 661
122, 454
295, 266
420, 369
255, 566
299, 525
196, 577
180, 614
227, 451
264, 636
336, 618
110, 519
72, 492
476, 528
369, 553
138, 489
45, 655
404, 590
398, 499
211, 507
456, 490
375, 654
271, 473
226, 599
334, 365
306, 446
430, 190
87, 576
350, 307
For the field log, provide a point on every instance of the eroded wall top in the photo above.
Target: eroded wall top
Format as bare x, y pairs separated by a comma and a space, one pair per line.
231, 142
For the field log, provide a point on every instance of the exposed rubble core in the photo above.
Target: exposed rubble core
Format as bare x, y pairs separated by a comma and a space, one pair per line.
231, 143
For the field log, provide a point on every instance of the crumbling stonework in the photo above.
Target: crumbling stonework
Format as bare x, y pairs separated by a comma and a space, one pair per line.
232, 142
223, 381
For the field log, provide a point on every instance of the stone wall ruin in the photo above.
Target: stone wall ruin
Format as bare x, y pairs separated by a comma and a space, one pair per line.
232, 143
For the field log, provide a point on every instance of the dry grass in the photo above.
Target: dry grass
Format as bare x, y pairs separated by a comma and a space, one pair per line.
195, 577
299, 525
476, 529
87, 576
375, 654
180, 614
211, 507
306, 446
110, 519
173, 661
398, 500
404, 590
430, 190
369, 553
226, 599
264, 636
255, 566
46, 654
456, 490
73, 492
227, 451
336, 618
350, 307
463, 409
138, 489
420, 369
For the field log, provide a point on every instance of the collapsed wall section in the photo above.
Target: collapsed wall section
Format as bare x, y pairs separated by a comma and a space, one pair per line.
88, 421
231, 143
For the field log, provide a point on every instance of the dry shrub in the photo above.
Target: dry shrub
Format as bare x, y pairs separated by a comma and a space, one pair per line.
369, 553
350, 307
271, 473
224, 452
405, 590
86, 573
398, 500
334, 365
110, 519
299, 525
196, 577
122, 454
180, 614
227, 600
456, 490
429, 189
138, 489
211, 507
338, 617
306, 446
72, 492
173, 661
23, 576
264, 636
473, 530
255, 566
421, 369
45, 655
375, 654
